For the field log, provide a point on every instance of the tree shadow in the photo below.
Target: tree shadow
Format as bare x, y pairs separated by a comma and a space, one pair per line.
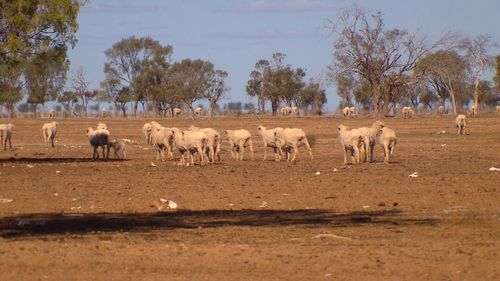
33, 225
31, 160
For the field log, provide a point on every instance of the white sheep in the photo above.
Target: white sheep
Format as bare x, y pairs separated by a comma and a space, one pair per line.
238, 141
49, 131
146, 130
99, 137
6, 135
161, 139
198, 112
52, 113
105, 113
346, 111
460, 123
295, 111
352, 109
177, 112
407, 112
441, 110
190, 141
351, 141
213, 143
369, 139
387, 138
101, 126
291, 139
268, 139
119, 148
472, 111
497, 108
285, 111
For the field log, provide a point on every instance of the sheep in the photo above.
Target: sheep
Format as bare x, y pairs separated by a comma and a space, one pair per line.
6, 129
161, 139
198, 112
472, 111
292, 139
177, 112
351, 141
238, 141
407, 112
52, 113
101, 126
295, 111
190, 141
441, 110
352, 110
369, 139
387, 138
146, 130
460, 123
346, 112
105, 113
49, 131
285, 111
497, 108
268, 139
119, 148
99, 137
213, 143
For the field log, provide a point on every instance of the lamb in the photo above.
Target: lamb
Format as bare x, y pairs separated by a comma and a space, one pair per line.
190, 141
6, 129
268, 139
460, 123
49, 131
238, 141
52, 113
213, 143
351, 141
292, 139
387, 138
99, 137
346, 112
119, 148
370, 138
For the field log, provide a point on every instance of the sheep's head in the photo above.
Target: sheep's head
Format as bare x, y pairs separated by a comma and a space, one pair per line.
342, 127
378, 125
89, 131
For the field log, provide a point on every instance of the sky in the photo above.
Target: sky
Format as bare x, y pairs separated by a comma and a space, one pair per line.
234, 35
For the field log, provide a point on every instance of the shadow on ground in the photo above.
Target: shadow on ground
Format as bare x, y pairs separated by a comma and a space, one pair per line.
33, 225
30, 160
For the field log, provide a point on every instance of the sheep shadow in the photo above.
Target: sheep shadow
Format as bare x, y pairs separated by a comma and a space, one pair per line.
36, 225
33, 160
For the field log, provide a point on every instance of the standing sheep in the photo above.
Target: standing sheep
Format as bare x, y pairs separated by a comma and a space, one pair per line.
52, 113
370, 138
387, 138
146, 130
346, 111
472, 111
119, 148
99, 137
351, 141
190, 141
441, 110
161, 139
49, 131
497, 108
6, 135
292, 139
213, 143
238, 141
460, 123
177, 112
268, 139
407, 112
198, 112
101, 126
286, 110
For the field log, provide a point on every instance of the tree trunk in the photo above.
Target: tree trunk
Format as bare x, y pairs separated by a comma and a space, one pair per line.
476, 93
211, 107
453, 102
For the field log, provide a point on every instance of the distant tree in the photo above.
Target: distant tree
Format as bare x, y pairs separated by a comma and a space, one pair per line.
233, 107
129, 59
496, 78
312, 97
366, 50
68, 99
81, 89
485, 93
10, 85
113, 92
345, 85
216, 89
427, 97
256, 85
248, 106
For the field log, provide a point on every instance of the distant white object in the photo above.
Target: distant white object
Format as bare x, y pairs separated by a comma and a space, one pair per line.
168, 204
318, 173
4, 200
414, 175
494, 169
153, 164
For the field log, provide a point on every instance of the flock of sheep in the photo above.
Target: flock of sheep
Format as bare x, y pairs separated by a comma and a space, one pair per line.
359, 143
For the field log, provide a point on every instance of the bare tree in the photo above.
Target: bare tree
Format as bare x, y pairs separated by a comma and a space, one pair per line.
81, 89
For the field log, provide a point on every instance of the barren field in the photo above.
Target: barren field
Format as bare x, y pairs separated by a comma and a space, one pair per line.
72, 218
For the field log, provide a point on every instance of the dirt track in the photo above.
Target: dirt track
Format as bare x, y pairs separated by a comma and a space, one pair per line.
77, 219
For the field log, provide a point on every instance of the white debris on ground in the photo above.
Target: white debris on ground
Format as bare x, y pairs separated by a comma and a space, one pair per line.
318, 173
414, 175
494, 169
164, 204
5, 200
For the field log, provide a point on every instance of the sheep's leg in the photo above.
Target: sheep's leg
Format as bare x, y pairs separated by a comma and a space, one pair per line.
211, 153
202, 155
277, 156
250, 145
372, 148
241, 149
308, 147
52, 140
265, 152
386, 152
295, 152
345, 156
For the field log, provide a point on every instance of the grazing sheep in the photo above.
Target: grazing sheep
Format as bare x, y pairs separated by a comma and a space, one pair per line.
407, 112
351, 141
190, 141
101, 126
472, 111
99, 137
49, 131
213, 143
285, 111
460, 122
119, 148
146, 130
292, 139
269, 140
198, 112
52, 113
238, 141
370, 138
387, 138
161, 139
177, 112
346, 111
441, 110
6, 135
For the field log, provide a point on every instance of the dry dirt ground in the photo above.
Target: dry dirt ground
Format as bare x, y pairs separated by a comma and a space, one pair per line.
72, 218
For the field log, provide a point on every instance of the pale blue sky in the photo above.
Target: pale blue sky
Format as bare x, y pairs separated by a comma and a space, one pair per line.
233, 35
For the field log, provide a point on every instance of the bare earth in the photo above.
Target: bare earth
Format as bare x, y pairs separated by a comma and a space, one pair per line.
77, 219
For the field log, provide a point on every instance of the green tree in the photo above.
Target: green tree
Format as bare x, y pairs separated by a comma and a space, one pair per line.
68, 99
216, 89
312, 97
10, 85
496, 78
131, 58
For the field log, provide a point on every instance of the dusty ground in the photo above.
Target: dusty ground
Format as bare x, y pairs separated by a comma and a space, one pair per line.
253, 220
